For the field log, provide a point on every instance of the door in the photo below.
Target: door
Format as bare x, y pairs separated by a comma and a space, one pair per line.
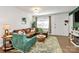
58, 26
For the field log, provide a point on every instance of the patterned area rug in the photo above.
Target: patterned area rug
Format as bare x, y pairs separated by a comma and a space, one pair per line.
51, 45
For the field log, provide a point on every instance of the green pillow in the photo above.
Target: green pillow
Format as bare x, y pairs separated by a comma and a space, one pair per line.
40, 30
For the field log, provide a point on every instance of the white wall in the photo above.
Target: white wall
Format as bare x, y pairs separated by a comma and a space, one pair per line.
12, 16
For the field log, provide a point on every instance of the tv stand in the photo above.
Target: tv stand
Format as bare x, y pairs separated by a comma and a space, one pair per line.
74, 38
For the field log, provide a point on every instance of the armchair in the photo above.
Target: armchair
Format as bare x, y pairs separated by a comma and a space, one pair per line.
23, 43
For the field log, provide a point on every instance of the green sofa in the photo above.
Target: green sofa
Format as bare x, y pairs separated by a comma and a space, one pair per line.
23, 43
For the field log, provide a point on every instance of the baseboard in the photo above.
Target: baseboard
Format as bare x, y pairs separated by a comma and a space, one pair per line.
59, 35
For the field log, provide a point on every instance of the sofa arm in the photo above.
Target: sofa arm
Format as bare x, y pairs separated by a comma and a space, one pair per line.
27, 45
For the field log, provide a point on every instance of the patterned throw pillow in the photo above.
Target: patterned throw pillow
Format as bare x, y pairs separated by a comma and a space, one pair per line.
20, 32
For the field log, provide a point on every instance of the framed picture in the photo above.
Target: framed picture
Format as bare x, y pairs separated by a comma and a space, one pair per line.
24, 20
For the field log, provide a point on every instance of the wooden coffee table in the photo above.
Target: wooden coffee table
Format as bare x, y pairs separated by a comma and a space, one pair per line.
41, 38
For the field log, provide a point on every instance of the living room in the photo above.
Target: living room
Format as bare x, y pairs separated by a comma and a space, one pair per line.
47, 27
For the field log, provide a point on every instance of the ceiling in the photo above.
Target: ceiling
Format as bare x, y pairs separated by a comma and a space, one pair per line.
47, 9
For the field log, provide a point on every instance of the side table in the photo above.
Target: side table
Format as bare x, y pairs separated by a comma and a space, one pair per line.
7, 44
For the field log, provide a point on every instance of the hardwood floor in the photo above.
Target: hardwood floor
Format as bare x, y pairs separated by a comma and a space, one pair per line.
65, 44
1, 51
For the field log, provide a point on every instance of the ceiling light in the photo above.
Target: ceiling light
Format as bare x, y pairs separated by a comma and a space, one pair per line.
36, 10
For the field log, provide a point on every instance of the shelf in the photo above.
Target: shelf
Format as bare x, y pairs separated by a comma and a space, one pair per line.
8, 45
75, 33
74, 38
7, 48
74, 43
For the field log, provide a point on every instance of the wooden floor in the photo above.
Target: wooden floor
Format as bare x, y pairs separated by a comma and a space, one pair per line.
65, 44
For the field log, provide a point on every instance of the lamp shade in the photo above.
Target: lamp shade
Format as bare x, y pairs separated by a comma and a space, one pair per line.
6, 26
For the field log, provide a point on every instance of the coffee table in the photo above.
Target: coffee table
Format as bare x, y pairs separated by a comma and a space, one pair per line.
41, 37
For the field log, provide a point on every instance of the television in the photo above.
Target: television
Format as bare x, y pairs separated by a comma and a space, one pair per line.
76, 16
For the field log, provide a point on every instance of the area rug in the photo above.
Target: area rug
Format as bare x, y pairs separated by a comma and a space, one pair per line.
51, 45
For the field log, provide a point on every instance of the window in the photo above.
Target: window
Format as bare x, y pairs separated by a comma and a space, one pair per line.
43, 22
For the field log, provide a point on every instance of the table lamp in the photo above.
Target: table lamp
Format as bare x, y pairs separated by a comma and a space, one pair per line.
6, 28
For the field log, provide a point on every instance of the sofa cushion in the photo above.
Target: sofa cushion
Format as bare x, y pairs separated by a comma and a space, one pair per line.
27, 30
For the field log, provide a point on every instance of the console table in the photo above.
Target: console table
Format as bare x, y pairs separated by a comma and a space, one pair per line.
7, 45
74, 38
